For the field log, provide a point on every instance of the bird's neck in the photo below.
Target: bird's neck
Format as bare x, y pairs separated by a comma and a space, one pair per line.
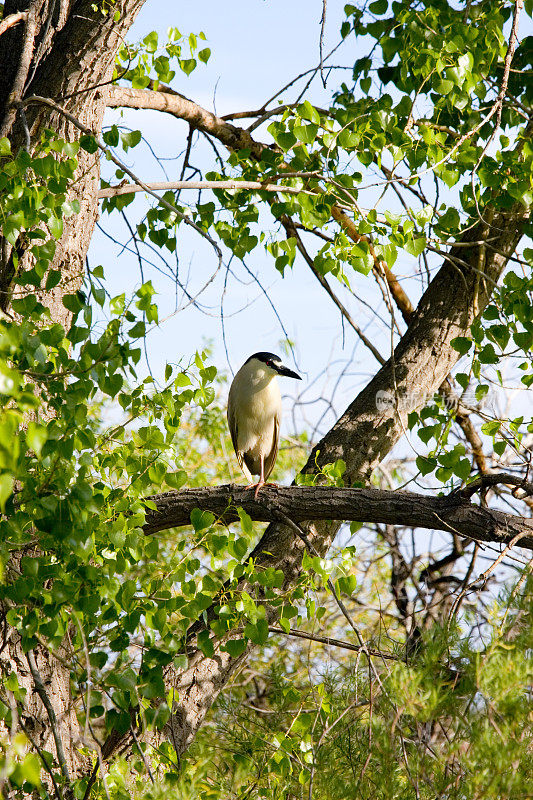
261, 379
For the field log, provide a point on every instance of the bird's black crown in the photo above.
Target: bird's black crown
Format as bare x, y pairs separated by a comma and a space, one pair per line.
265, 357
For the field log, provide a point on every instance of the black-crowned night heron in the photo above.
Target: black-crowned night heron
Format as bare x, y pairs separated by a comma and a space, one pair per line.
254, 414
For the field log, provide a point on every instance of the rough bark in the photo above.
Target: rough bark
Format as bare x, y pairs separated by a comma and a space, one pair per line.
452, 513
73, 51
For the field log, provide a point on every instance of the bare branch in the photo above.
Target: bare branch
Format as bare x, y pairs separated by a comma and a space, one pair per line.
163, 186
484, 481
330, 642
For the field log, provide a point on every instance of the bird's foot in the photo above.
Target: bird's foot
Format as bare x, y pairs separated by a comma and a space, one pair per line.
258, 486
255, 486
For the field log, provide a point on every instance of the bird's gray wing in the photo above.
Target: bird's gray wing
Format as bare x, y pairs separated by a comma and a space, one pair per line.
232, 424
270, 460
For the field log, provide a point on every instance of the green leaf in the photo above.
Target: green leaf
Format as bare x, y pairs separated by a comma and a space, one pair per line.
187, 65
416, 246
488, 355
36, 436
461, 344
246, 522
306, 133
257, 632
235, 647
56, 227
30, 769
201, 520
151, 41
491, 428
131, 139
88, 143
6, 489
425, 465
309, 112
524, 340
205, 643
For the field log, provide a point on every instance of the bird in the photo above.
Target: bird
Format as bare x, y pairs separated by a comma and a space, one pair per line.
254, 415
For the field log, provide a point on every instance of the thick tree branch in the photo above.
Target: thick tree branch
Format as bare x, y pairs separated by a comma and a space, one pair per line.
366, 433
452, 513
178, 106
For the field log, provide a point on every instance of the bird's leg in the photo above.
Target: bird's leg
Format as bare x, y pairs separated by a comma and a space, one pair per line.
261, 481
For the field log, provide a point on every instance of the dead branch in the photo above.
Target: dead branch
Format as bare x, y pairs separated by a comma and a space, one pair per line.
160, 186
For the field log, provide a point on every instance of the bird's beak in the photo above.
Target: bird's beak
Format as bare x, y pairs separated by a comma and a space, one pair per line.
288, 373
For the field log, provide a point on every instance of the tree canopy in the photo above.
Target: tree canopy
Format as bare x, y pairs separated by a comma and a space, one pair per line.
374, 639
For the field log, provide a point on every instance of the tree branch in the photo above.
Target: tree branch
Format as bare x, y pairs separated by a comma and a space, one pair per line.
452, 513
131, 188
327, 640
12, 19
112, 157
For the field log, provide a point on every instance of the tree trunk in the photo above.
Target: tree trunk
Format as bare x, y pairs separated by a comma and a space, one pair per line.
71, 59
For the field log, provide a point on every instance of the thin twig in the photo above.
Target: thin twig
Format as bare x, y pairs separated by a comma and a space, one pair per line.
312, 549
331, 642
292, 232
321, 42
145, 761
481, 580
131, 188
40, 753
